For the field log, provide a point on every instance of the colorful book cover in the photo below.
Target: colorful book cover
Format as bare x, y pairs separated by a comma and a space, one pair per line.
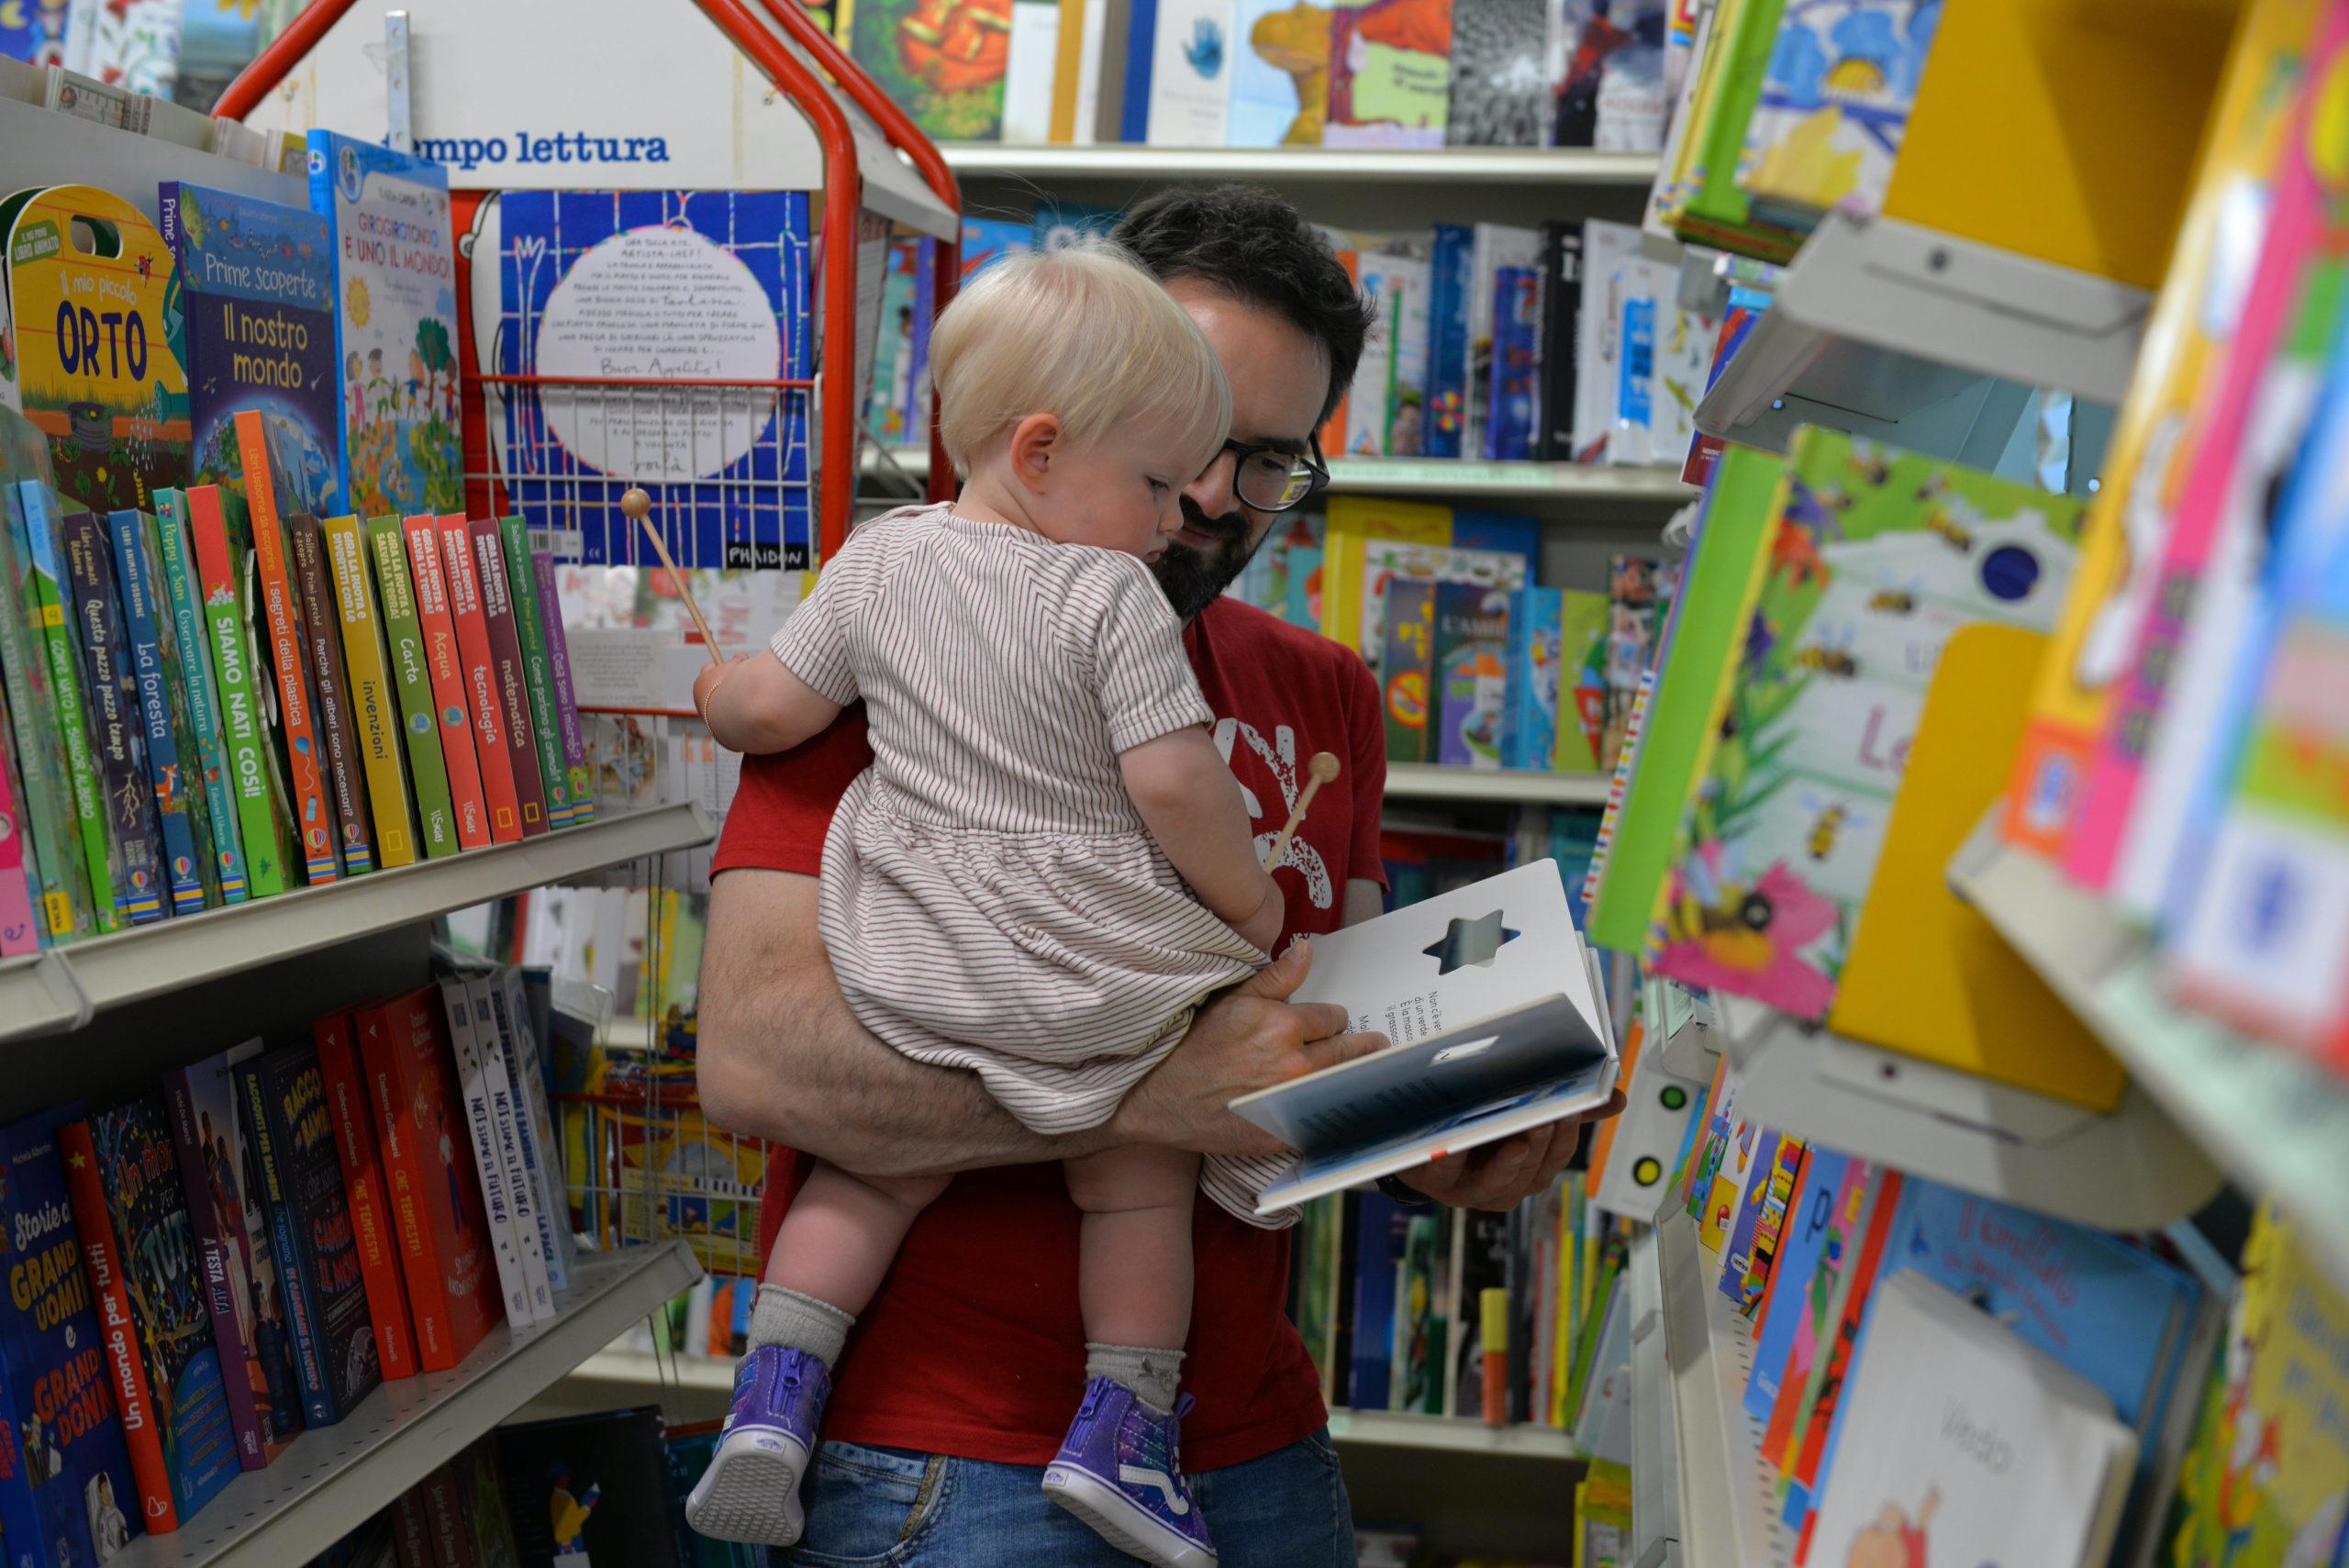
1753, 1191
135, 45
181, 811
1513, 400
394, 328
67, 1497
1499, 84
410, 666
1407, 668
537, 680
110, 394
242, 1283
1452, 254
321, 623
1583, 619
1387, 562
1493, 247
1707, 205
111, 688
509, 676
1634, 594
184, 596
944, 65
67, 909
1471, 672
1610, 272
1828, 125
256, 326
1390, 75
1529, 717
986, 241
567, 702
1607, 75
286, 661
21, 927
117, 1331
444, 663
352, 1109
1832, 1369
374, 715
1879, 557
1784, 1176
293, 1131
1190, 87
2120, 546
1821, 1306
483, 705
138, 1170
1280, 75
1403, 294
1812, 1232
1363, 420
233, 624
435, 1204
888, 406
588, 1485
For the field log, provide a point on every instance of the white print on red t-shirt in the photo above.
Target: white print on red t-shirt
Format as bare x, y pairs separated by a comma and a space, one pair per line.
1280, 756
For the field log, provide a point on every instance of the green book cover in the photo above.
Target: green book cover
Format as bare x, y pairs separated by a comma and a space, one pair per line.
223, 540
184, 599
435, 815
94, 824
1583, 618
1717, 209
560, 811
1715, 597
1879, 558
67, 912
179, 791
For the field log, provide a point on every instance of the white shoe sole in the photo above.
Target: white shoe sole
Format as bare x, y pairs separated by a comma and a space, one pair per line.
750, 1491
1117, 1521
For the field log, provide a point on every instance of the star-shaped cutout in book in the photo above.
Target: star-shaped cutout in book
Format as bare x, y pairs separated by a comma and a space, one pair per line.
1465, 942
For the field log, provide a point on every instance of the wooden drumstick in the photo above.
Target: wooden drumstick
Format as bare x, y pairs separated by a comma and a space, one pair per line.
637, 504
1318, 772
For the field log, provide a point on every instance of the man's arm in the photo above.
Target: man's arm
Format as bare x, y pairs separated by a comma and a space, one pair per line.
782, 1057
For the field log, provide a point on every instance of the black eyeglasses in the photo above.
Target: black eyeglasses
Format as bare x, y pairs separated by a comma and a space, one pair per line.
1273, 479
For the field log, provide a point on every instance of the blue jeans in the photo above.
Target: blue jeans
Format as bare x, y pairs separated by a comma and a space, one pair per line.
874, 1508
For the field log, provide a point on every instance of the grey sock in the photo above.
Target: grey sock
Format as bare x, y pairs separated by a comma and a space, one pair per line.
1156, 1375
800, 1322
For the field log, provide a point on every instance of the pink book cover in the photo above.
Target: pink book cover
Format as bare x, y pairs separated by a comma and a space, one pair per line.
18, 933
2301, 231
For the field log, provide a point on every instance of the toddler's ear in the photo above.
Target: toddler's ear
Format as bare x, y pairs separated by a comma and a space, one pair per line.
1037, 443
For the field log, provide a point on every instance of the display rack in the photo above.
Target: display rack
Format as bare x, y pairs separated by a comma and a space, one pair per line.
2275, 1120
1877, 322
1516, 787
1319, 165
1656, 1432
333, 1478
64, 988
2133, 1168
1728, 1517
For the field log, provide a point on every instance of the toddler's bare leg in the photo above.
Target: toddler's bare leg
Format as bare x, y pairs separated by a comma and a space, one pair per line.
1134, 1265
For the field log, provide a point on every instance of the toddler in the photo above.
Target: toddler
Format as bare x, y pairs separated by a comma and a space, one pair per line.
1046, 868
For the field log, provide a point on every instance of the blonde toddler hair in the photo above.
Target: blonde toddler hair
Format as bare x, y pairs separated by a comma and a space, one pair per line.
1084, 333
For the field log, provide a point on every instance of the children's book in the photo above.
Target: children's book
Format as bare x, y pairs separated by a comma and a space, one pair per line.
1452, 256
1705, 203
1968, 1445
20, 926
1385, 561
1821, 1306
1841, 80
1513, 399
1610, 276
374, 712
233, 618
286, 661
409, 664
347, 1101
182, 812
208, 768
110, 394
1811, 1218
256, 328
1489, 997
445, 666
1393, 414
526, 1070
293, 1131
1471, 673
1831, 1371
67, 1495
1877, 557
131, 1170
484, 706
1280, 75
395, 287
337, 723
1499, 91
944, 69
529, 627
435, 1203
1407, 668
509, 676
1390, 75
525, 1291
1190, 83
1492, 246
1530, 714
1561, 292
1583, 619
566, 701
1607, 75
589, 1485
41, 731
243, 1283
111, 687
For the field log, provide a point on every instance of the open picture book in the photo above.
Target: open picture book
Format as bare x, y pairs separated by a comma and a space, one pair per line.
1492, 1006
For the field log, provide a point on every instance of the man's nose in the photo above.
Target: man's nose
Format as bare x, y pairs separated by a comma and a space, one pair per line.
1212, 491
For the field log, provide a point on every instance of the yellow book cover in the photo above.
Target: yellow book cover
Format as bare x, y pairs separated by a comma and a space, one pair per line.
1355, 520
375, 703
1927, 975
1685, 143
2120, 546
1068, 66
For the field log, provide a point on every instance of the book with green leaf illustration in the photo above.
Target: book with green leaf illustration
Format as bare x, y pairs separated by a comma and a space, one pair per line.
1877, 557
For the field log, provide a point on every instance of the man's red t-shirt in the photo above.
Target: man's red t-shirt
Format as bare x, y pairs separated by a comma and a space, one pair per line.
975, 1346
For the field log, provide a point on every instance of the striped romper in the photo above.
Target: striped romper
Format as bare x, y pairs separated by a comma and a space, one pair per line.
991, 897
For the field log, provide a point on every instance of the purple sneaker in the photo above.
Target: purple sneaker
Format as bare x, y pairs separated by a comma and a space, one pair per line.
750, 1491
1120, 1471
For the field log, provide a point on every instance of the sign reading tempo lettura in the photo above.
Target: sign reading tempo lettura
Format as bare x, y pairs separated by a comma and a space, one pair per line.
529, 147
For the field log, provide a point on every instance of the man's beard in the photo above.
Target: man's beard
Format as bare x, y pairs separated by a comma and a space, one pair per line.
1192, 578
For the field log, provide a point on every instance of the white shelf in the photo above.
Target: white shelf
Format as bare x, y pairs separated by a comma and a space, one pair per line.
1729, 1516
1880, 319
1481, 165
37, 143
1521, 787
2275, 1120
333, 1478
1655, 1430
64, 988
2129, 1169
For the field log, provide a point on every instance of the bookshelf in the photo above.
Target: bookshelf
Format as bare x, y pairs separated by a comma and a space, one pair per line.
1727, 1512
332, 1477
1563, 166
65, 988
1655, 1433
1514, 787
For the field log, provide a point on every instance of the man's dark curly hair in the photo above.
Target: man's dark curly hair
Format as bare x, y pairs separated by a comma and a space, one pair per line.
1253, 246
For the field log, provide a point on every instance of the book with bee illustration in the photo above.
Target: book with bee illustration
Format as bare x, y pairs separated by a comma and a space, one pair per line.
255, 329
1876, 558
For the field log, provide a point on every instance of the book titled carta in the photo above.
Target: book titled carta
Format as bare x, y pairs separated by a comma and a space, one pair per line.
1492, 1006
